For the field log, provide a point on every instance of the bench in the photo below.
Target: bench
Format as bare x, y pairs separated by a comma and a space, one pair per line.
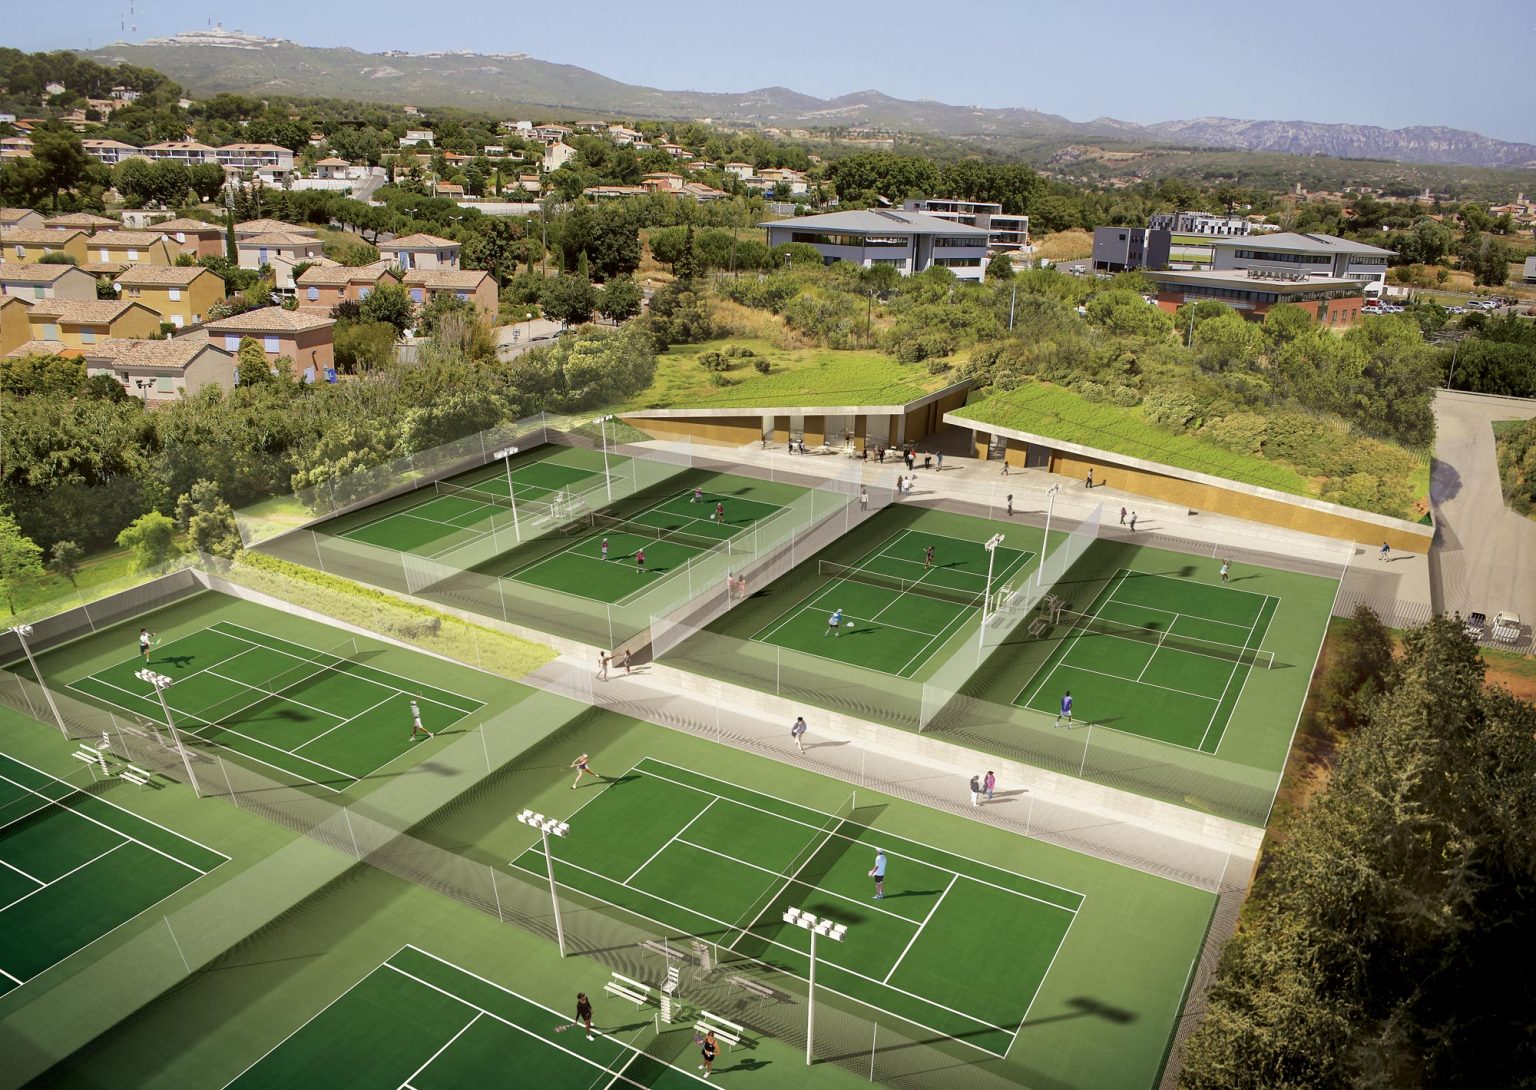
752, 987
135, 775
729, 1032
94, 758
622, 987
1039, 625
663, 950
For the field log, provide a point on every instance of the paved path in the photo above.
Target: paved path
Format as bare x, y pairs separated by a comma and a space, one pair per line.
1486, 552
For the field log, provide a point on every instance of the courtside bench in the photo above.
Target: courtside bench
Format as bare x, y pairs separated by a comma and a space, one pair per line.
729, 1032
622, 987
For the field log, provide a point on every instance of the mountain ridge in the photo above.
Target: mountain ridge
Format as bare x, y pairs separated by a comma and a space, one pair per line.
208, 61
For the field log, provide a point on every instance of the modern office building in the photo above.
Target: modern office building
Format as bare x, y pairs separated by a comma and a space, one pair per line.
1190, 235
1316, 256
1120, 249
1004, 230
908, 241
1335, 301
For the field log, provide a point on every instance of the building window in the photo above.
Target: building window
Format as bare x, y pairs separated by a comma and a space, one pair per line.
175, 295
312, 294
133, 255
50, 332
364, 292
416, 295
269, 345
176, 320
39, 292
462, 296
87, 335
231, 342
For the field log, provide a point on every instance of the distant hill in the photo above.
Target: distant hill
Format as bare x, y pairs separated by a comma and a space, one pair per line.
208, 61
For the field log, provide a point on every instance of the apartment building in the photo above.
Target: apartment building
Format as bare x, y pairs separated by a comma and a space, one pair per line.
1190, 235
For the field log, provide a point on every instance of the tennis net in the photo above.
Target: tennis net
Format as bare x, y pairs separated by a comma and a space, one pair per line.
609, 524
811, 864
854, 574
1084, 624
279, 683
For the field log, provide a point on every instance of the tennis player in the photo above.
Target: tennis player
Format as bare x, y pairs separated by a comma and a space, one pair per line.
834, 624
605, 548
584, 1012
720, 513
145, 638
640, 559
416, 727
877, 872
583, 767
709, 1049
698, 495
1066, 709
928, 557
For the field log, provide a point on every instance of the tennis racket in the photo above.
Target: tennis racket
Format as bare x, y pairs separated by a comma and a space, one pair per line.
562, 1028
157, 642
849, 624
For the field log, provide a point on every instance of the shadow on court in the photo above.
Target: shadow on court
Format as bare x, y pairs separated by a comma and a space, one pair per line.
1087, 1007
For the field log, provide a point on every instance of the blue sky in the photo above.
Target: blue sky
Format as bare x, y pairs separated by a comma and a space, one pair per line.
1408, 63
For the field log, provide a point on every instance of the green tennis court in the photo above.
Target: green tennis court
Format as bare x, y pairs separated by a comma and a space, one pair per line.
324, 715
418, 1022
1157, 656
957, 946
897, 610
453, 513
74, 867
667, 535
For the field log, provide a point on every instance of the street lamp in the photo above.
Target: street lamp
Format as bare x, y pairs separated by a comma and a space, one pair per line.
511, 494
162, 683
546, 826
22, 632
816, 926
529, 316
602, 425
1045, 544
991, 546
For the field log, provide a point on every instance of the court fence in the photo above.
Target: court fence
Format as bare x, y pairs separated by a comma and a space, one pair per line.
394, 828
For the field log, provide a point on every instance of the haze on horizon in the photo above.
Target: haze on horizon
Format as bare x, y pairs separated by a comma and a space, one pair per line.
1415, 64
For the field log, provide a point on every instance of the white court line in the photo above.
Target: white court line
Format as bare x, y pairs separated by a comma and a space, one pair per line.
1161, 637
1233, 674
23, 873
350, 719
10, 976
953, 878
29, 813
1024, 1018
439, 1052
1133, 681
668, 844
72, 870
863, 902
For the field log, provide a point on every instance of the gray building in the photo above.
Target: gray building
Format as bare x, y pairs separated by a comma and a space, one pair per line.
1005, 232
1118, 249
1308, 255
1530, 270
908, 241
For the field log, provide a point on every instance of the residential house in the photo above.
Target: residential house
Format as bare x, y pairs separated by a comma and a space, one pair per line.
279, 251
701, 192
269, 227
110, 152
13, 218
557, 155
77, 323
321, 287
552, 134
770, 179
180, 294
741, 170
1005, 232
303, 336
909, 242
663, 182
421, 251
162, 370
622, 136
413, 137
194, 237
530, 183
81, 221
676, 151
130, 248
613, 192
15, 147
1529, 272
471, 285
451, 190
1309, 255
28, 245
332, 168
493, 151
15, 328
36, 282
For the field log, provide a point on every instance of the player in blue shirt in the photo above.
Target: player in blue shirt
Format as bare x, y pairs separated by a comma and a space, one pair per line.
834, 624
1066, 709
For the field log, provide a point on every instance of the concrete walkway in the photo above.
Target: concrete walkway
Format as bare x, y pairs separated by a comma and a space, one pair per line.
1486, 552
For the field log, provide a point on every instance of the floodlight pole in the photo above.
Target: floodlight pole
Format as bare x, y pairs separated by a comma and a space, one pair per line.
511, 494
816, 926
991, 547
602, 428
22, 632
545, 826
1045, 544
160, 683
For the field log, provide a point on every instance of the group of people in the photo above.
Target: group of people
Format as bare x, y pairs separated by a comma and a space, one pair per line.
709, 1045
982, 786
622, 658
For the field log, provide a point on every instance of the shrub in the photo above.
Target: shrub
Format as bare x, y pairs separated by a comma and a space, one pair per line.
714, 361
718, 379
938, 366
762, 366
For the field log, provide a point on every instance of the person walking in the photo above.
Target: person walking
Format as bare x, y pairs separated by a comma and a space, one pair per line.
989, 784
1226, 570
834, 624
863, 499
1010, 505
1089, 482
1122, 516
877, 872
583, 767
709, 1049
1133, 522
911, 460
797, 732
1066, 709
976, 790
584, 1012
928, 460
625, 663
939, 460
1005, 465
602, 666
1386, 552
416, 727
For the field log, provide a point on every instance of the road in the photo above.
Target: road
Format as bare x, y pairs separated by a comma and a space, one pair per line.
1486, 552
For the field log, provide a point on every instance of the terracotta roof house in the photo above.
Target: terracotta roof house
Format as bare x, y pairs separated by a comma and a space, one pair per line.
15, 329
421, 251
194, 236
77, 323
162, 371
472, 285
81, 221
268, 227
19, 217
180, 294
321, 287
110, 152
304, 337
130, 248
280, 252
29, 244
35, 282
332, 167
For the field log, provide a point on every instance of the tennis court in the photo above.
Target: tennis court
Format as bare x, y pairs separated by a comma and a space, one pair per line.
955, 945
418, 1022
451, 514
321, 714
898, 612
74, 867
1162, 657
670, 533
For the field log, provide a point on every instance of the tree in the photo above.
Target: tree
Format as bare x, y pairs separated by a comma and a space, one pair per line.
61, 158
1228, 342
20, 559
493, 247
1357, 674
388, 303
361, 346
999, 268
687, 268
620, 299
568, 299
252, 367
152, 539
64, 559
666, 245
207, 520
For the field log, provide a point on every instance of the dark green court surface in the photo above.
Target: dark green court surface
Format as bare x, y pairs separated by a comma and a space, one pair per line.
895, 609
73, 867
324, 715
954, 945
418, 1022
